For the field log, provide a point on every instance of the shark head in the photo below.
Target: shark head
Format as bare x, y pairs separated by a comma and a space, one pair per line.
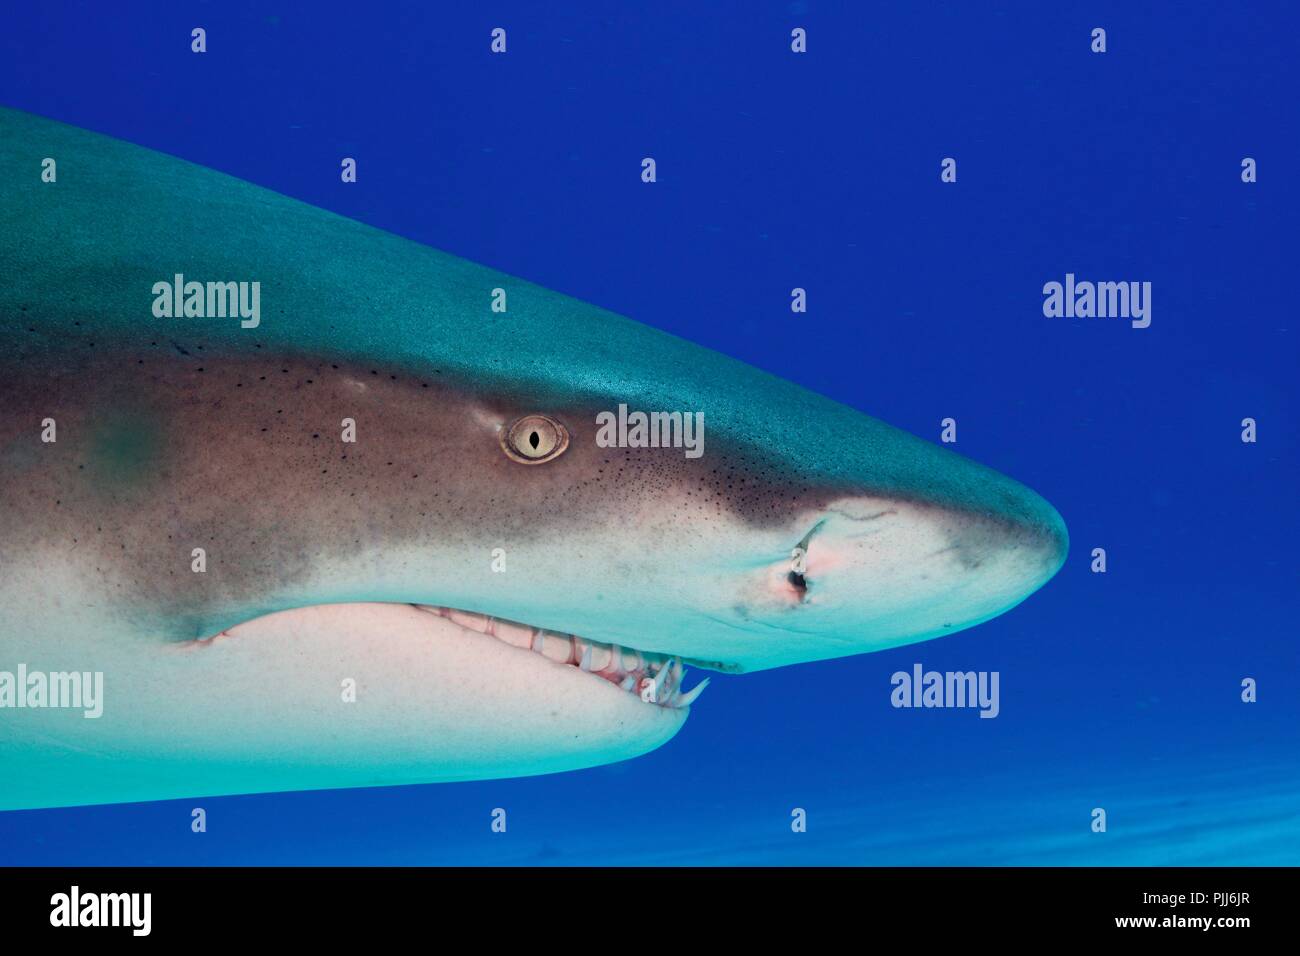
731, 520
508, 530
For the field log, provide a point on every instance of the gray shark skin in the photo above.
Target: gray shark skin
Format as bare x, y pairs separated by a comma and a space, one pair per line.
420, 604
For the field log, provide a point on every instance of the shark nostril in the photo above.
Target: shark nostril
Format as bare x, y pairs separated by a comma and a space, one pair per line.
799, 568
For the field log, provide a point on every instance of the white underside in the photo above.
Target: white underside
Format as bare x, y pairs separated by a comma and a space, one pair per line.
270, 708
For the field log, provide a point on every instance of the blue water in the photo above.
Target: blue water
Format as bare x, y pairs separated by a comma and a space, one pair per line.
1118, 690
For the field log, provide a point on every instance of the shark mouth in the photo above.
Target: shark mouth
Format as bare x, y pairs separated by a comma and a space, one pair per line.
654, 678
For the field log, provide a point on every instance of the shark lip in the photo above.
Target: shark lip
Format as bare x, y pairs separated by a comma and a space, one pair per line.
656, 679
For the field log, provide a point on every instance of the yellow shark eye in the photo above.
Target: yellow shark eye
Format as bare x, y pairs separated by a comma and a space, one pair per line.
534, 439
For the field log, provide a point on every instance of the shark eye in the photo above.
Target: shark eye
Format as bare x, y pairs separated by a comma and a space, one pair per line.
534, 439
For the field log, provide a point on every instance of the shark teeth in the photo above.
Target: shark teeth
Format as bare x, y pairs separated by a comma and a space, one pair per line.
687, 699
632, 671
660, 681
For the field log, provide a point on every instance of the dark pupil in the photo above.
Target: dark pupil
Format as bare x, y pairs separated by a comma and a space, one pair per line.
534, 440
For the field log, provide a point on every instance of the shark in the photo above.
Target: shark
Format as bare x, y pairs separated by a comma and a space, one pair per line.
368, 533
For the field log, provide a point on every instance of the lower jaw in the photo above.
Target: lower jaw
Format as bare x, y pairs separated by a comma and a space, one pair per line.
653, 678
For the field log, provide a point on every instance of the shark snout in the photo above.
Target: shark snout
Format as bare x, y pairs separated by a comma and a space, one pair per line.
873, 571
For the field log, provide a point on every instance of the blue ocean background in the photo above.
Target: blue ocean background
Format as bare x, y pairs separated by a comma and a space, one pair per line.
775, 170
